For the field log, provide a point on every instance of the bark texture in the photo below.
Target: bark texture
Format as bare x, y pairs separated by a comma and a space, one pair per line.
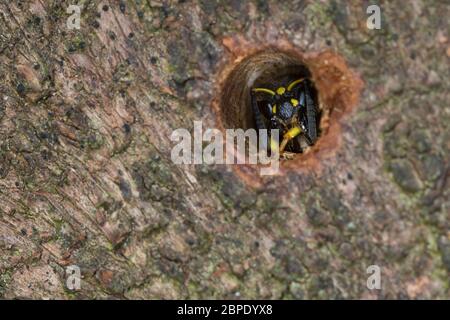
86, 177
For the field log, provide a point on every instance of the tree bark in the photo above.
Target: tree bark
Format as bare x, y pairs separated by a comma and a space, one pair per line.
86, 176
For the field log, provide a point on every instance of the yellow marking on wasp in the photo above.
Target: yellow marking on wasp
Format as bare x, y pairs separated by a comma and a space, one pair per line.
264, 90
292, 84
281, 90
293, 132
274, 108
294, 102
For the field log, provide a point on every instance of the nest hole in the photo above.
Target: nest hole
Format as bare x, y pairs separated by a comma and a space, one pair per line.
335, 89
272, 69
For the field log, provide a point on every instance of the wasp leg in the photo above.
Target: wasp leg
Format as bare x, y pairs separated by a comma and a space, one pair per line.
288, 136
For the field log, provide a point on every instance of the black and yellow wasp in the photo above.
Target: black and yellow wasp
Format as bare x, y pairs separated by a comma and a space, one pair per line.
291, 109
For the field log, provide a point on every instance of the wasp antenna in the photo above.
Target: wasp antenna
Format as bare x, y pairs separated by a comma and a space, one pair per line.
294, 83
271, 92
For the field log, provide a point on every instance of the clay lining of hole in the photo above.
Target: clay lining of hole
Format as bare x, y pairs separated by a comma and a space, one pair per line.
338, 89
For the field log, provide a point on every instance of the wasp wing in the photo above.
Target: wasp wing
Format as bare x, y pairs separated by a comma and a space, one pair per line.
311, 115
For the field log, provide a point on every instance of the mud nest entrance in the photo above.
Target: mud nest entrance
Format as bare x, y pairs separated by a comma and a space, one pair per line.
284, 102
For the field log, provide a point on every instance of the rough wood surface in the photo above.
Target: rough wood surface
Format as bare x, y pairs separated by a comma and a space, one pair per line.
86, 176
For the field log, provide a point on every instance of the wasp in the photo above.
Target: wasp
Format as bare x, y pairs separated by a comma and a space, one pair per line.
292, 110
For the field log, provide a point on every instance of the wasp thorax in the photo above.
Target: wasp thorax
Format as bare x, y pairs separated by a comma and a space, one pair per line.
286, 111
